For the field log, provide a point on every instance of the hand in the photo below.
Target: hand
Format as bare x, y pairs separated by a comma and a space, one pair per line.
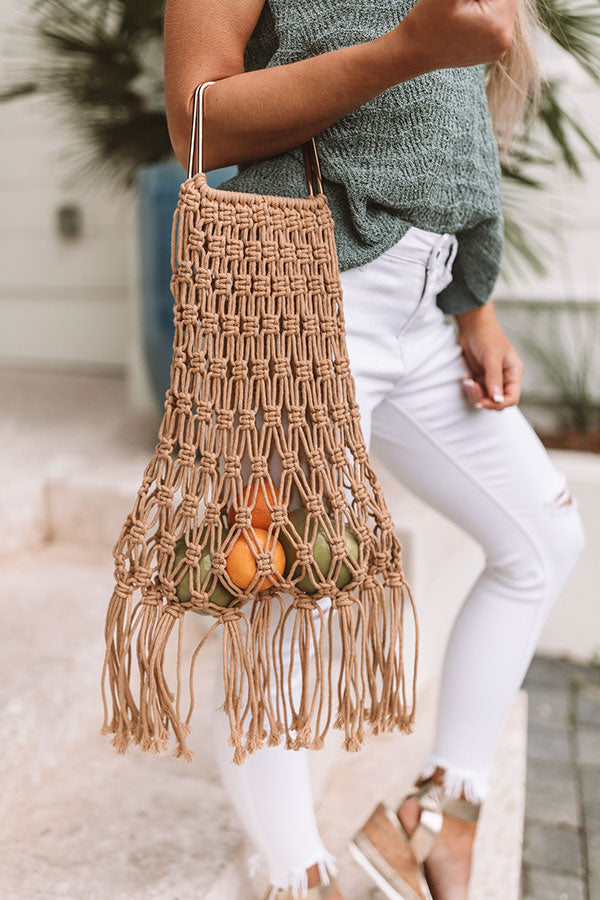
495, 366
451, 33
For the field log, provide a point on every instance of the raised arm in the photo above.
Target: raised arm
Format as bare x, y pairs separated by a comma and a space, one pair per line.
254, 115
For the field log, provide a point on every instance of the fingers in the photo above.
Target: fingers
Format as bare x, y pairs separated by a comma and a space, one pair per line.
498, 386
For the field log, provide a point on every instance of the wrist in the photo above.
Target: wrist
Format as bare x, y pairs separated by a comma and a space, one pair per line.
474, 318
400, 55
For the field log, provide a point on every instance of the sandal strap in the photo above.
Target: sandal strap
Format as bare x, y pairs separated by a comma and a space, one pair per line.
433, 795
434, 802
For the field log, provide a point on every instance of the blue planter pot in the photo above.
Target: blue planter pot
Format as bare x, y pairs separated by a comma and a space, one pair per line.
157, 193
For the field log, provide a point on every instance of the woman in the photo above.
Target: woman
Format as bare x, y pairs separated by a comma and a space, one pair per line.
396, 93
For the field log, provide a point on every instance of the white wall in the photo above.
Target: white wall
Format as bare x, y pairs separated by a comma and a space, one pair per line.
62, 302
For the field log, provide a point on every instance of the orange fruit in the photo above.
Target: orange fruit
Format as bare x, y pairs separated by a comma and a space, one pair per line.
241, 565
256, 496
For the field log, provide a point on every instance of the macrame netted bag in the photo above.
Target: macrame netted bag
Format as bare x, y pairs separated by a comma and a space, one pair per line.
260, 487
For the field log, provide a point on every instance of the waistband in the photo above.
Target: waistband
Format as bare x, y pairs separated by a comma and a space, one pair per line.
428, 247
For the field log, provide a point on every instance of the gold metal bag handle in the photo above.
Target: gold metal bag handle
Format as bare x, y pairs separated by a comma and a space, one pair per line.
196, 162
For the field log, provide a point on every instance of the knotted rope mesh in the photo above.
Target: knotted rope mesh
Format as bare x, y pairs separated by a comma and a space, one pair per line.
260, 486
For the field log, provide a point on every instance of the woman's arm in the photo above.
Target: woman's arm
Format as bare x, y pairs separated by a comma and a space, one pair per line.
254, 115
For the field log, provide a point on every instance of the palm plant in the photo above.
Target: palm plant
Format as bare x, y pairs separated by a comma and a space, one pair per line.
101, 60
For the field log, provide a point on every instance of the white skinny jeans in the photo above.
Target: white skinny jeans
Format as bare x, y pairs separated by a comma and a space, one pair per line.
484, 469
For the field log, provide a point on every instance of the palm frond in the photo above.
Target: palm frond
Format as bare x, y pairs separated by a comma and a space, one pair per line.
575, 26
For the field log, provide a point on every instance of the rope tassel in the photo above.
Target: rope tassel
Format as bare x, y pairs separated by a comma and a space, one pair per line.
259, 502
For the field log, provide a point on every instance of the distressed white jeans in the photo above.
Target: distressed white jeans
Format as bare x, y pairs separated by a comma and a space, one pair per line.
484, 469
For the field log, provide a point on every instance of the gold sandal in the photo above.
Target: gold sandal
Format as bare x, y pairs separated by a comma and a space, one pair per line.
392, 858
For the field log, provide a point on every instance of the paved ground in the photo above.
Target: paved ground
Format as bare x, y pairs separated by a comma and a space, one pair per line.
561, 857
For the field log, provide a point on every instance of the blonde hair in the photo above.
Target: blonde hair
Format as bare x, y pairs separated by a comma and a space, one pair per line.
513, 82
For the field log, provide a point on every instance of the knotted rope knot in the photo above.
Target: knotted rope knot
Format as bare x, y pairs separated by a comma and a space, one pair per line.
184, 403
188, 506
270, 323
304, 556
151, 599
314, 504
259, 467
122, 590
339, 413
230, 615
282, 367
315, 459
164, 495
304, 371
223, 283
166, 544
343, 601
264, 563
316, 285
250, 326
234, 248
143, 574
215, 245
341, 368
363, 534
219, 562
239, 371
305, 603
310, 325
224, 419
218, 368
298, 283
212, 512
280, 284
208, 462
271, 416
379, 560
369, 582
209, 324
174, 609
296, 416
260, 370
261, 285
291, 324
204, 414
137, 531
319, 415
361, 494
337, 456
339, 548
203, 279
198, 362
337, 500
290, 461
247, 420
187, 457
328, 327
393, 579
243, 516
324, 368
242, 283
278, 515
187, 314
164, 449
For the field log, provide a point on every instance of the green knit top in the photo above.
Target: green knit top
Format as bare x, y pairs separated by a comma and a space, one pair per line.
421, 153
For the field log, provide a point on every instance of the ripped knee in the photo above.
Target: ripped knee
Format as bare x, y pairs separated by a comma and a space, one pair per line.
563, 499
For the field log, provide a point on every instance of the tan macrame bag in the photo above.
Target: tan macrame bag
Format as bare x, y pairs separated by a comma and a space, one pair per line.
260, 384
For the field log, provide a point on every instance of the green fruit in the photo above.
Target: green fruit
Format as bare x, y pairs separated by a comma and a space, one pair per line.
346, 574
220, 595
320, 549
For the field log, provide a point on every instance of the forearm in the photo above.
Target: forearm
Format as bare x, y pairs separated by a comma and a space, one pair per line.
254, 115
476, 317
